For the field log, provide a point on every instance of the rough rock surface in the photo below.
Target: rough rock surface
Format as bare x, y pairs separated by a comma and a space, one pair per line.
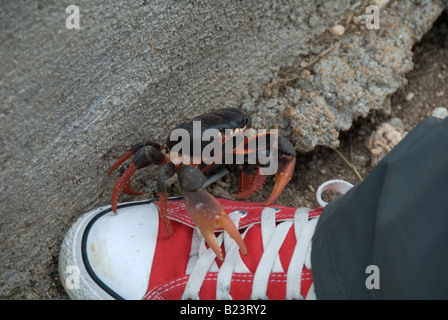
72, 101
356, 73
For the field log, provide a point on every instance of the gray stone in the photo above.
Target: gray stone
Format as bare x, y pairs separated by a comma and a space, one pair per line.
354, 74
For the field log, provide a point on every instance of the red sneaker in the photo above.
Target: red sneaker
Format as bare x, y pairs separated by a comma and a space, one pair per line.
131, 256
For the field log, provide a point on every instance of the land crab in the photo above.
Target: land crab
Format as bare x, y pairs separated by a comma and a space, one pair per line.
204, 209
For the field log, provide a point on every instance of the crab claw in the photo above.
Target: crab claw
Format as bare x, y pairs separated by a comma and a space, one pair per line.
282, 177
123, 184
205, 211
208, 214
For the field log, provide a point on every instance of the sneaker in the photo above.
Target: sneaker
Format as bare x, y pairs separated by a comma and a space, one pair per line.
131, 256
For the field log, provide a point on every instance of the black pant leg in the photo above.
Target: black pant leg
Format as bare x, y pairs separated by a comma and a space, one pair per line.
396, 220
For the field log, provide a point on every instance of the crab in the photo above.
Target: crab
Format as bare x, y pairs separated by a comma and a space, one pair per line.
204, 209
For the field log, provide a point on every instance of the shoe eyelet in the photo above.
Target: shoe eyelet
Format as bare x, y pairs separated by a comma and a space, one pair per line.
243, 213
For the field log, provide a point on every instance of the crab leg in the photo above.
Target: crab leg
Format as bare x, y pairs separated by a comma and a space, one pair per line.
122, 184
127, 189
250, 186
145, 155
244, 181
130, 153
120, 161
167, 171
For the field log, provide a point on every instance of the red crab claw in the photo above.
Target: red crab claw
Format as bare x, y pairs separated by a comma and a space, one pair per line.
205, 211
284, 172
285, 168
282, 177
208, 215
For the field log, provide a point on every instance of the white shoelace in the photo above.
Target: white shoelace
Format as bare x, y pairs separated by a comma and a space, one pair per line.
202, 260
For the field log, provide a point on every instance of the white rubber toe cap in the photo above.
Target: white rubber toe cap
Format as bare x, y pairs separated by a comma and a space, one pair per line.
107, 256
